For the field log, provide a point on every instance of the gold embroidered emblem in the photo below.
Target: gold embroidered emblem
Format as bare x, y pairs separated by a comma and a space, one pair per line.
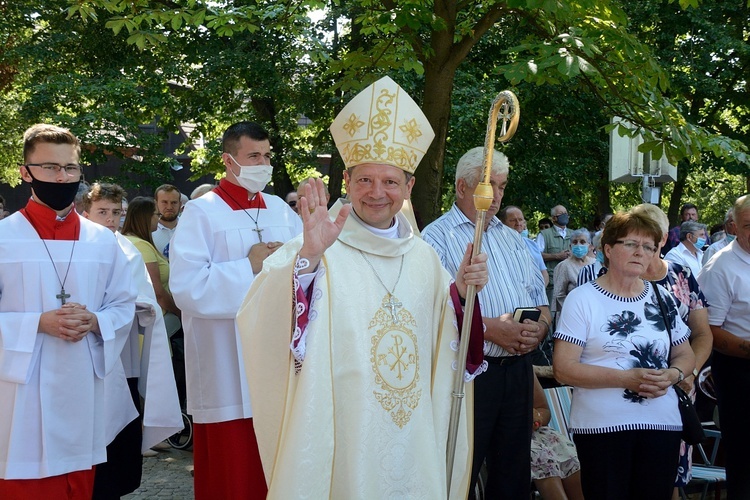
352, 125
395, 360
411, 130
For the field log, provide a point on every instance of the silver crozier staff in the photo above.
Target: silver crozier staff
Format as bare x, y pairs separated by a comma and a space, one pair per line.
511, 112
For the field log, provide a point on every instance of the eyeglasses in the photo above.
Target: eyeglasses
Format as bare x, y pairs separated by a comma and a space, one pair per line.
52, 169
632, 246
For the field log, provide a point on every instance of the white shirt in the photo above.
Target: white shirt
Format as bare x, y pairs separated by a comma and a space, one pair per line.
162, 236
712, 249
683, 256
726, 287
209, 277
562, 231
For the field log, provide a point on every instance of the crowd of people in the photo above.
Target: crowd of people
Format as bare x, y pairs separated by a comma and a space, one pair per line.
316, 349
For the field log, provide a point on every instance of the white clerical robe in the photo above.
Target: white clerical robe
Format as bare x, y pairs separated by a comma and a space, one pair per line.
367, 414
52, 405
209, 276
152, 365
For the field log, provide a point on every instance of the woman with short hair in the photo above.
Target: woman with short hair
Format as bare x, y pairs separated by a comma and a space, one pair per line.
612, 344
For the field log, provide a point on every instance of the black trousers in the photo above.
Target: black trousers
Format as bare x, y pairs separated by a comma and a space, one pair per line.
731, 379
121, 473
628, 465
503, 398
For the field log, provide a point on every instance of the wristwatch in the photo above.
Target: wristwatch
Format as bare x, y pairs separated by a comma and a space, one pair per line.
682, 375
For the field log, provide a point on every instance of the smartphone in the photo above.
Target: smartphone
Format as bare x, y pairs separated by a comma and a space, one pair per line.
522, 313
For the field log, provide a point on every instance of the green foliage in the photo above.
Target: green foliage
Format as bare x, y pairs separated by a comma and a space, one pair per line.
674, 69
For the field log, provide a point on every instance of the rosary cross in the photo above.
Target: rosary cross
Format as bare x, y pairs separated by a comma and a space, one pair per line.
62, 295
259, 231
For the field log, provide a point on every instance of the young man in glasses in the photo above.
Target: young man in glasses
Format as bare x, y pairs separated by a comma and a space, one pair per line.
66, 304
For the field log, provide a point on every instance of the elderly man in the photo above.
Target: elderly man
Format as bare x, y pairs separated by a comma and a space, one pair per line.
730, 229
66, 305
689, 253
360, 406
725, 284
503, 396
512, 216
217, 250
554, 243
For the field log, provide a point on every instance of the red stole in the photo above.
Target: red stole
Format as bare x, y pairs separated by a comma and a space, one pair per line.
44, 220
236, 196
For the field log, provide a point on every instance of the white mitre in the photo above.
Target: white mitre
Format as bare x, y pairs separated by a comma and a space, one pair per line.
382, 124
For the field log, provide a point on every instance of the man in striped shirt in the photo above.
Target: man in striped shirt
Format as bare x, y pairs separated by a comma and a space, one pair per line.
503, 395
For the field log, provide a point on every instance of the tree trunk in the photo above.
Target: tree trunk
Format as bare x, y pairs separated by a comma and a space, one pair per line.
675, 201
436, 104
266, 109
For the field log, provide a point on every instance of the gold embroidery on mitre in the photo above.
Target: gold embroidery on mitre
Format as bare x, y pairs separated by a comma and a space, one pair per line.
411, 130
383, 125
395, 360
353, 124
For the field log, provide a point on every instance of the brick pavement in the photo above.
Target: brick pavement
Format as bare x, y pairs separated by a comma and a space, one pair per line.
166, 475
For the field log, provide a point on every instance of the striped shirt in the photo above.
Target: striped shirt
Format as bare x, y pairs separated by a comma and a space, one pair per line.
515, 281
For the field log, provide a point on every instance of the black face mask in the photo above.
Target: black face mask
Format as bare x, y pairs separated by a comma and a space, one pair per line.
56, 195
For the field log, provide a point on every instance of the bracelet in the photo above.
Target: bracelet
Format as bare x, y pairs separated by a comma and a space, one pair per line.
682, 375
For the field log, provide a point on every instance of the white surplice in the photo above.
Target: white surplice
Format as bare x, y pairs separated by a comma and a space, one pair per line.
52, 405
209, 276
367, 415
152, 365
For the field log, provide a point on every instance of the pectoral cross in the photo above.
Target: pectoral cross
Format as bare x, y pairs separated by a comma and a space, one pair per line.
259, 231
62, 295
393, 304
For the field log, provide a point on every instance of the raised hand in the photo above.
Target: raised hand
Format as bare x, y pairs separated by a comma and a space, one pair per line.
319, 231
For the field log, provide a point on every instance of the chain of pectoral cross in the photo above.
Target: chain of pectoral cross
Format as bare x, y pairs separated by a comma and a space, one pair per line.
254, 219
62, 295
393, 304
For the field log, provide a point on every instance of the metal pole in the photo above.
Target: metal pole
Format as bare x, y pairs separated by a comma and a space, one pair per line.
506, 102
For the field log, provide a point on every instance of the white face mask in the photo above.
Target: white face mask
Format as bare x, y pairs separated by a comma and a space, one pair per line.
253, 177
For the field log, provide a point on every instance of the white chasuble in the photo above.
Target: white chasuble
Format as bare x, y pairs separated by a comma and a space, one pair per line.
209, 274
366, 415
52, 405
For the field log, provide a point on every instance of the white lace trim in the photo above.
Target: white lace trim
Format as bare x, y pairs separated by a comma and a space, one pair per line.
298, 351
468, 377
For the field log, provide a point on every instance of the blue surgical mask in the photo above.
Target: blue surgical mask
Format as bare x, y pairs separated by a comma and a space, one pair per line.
600, 257
700, 243
525, 233
730, 238
563, 219
580, 251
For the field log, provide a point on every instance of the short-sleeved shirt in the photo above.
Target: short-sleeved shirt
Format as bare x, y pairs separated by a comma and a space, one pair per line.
621, 333
724, 281
679, 281
515, 281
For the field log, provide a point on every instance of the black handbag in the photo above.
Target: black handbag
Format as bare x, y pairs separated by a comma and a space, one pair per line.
692, 429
